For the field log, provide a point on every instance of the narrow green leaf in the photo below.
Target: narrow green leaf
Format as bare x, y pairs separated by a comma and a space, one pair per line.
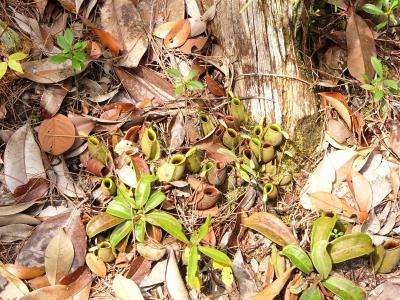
140, 230
379, 95
391, 84
100, 223
125, 197
368, 87
142, 192
174, 73
58, 59
192, 267
16, 66
299, 258
168, 223
381, 25
120, 210
344, 288
121, 231
373, 10
377, 65
179, 89
322, 228
202, 232
69, 36
227, 153
248, 170
218, 256
321, 259
194, 85
76, 64
155, 200
80, 45
80, 56
3, 69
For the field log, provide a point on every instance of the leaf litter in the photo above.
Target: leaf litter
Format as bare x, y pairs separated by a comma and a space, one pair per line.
54, 180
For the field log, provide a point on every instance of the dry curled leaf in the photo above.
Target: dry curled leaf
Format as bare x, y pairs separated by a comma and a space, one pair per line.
122, 19
53, 97
178, 35
56, 135
96, 265
24, 272
22, 159
360, 47
58, 257
126, 289
361, 190
162, 30
326, 201
214, 86
177, 132
272, 227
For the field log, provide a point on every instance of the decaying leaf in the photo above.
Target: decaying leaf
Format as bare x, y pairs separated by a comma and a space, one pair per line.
245, 280
360, 47
273, 290
22, 159
14, 232
177, 132
361, 190
34, 190
272, 227
339, 103
96, 265
214, 87
43, 71
11, 286
126, 289
174, 282
58, 257
64, 181
32, 252
57, 135
326, 201
53, 97
178, 34
162, 30
22, 272
122, 19
18, 219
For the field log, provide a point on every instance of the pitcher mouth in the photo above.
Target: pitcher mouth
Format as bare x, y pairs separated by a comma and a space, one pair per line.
236, 101
391, 244
275, 127
177, 159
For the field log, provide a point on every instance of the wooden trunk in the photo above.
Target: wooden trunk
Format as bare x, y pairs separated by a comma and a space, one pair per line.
260, 44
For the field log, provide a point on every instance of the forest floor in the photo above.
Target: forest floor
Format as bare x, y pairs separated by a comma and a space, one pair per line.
129, 169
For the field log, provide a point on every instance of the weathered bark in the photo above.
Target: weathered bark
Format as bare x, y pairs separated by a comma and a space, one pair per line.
261, 42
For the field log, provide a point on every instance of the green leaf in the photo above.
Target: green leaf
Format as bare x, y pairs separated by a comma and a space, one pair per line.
218, 256
299, 258
63, 43
58, 59
80, 45
194, 85
80, 56
16, 66
321, 259
100, 223
227, 276
201, 233
343, 288
155, 200
120, 209
368, 87
312, 293
192, 267
18, 56
379, 95
373, 10
179, 89
121, 231
142, 192
140, 230
381, 25
377, 65
350, 246
76, 64
168, 223
191, 74
174, 73
125, 197
247, 169
227, 153
69, 36
245, 176
3, 69
391, 84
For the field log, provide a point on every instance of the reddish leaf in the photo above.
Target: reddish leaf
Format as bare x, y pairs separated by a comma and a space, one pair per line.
139, 268
214, 87
35, 189
94, 50
178, 35
56, 135
197, 43
360, 47
24, 272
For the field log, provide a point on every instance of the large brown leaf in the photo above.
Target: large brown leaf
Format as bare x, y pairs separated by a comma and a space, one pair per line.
22, 159
360, 47
122, 19
32, 252
272, 227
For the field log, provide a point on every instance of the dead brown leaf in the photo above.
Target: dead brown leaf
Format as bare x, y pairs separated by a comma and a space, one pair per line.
122, 19
360, 47
194, 44
53, 97
214, 86
56, 135
24, 272
34, 190
178, 35
96, 265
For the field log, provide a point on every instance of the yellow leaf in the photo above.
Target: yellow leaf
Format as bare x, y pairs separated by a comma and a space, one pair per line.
16, 66
3, 69
18, 56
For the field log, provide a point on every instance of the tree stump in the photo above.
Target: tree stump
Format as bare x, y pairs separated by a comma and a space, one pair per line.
260, 44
